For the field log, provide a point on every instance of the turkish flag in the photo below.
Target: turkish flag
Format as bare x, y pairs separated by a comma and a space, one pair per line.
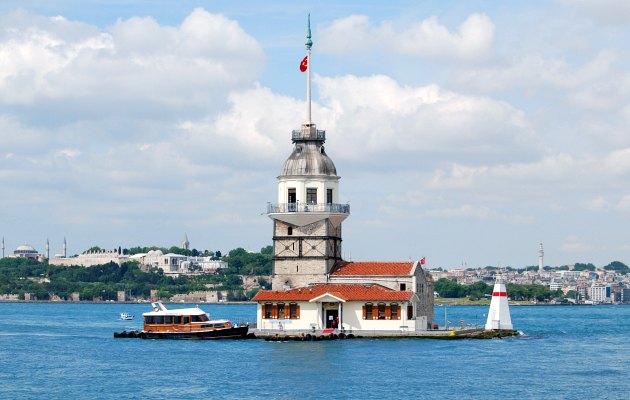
304, 64
422, 261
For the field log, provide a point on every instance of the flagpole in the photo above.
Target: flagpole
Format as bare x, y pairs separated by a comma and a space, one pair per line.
309, 43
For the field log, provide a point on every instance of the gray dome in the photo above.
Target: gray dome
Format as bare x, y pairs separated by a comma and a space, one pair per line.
308, 158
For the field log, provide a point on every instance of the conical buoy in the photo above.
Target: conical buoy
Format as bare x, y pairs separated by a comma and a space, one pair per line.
499, 314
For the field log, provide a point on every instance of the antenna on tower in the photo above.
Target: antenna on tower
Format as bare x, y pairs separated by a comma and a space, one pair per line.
309, 44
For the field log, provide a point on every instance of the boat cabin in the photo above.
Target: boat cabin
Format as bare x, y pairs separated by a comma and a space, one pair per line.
180, 320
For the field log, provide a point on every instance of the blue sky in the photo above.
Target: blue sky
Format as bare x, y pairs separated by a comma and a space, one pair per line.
464, 131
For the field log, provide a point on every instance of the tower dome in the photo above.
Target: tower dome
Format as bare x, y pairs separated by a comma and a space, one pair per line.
308, 158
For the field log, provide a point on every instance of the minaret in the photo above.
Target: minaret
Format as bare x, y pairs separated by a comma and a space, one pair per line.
185, 243
47, 251
307, 218
499, 313
65, 248
2, 246
541, 253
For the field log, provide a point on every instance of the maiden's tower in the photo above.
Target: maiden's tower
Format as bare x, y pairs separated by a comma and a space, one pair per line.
312, 286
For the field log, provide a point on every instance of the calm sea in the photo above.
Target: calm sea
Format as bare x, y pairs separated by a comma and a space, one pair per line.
67, 351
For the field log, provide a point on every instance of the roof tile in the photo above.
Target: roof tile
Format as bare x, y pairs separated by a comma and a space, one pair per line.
374, 268
346, 292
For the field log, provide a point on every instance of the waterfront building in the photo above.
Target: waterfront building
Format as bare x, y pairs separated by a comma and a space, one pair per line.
312, 286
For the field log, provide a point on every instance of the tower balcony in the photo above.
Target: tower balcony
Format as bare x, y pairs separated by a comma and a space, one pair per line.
300, 214
331, 208
308, 133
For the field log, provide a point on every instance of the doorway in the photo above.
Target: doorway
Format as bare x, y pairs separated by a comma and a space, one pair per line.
332, 318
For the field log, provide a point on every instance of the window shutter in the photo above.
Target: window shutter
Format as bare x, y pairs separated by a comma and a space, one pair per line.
388, 312
297, 311
274, 311
364, 312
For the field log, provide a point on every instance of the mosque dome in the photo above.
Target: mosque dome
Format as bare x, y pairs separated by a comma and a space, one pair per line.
25, 248
308, 158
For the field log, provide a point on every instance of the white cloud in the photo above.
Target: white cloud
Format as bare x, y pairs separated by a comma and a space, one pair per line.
604, 11
137, 60
376, 114
428, 38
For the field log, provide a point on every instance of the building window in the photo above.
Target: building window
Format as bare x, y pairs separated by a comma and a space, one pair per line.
267, 311
329, 196
403, 286
394, 311
381, 311
290, 231
311, 195
410, 311
368, 312
281, 311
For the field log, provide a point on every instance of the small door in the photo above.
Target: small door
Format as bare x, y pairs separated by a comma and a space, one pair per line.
332, 318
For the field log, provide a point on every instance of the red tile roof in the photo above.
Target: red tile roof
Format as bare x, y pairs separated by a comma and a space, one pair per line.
374, 268
343, 291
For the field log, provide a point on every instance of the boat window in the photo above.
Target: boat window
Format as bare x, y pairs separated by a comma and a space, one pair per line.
177, 320
149, 320
281, 310
195, 318
159, 320
168, 319
187, 320
204, 317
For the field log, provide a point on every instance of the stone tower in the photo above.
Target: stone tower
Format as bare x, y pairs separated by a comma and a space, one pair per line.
307, 218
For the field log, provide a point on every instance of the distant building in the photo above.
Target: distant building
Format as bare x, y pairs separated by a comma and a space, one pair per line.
27, 251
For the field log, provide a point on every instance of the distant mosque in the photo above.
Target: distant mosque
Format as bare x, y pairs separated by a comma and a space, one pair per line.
312, 286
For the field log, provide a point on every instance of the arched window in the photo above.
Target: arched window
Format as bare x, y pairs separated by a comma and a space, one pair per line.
368, 311
394, 311
267, 312
381, 311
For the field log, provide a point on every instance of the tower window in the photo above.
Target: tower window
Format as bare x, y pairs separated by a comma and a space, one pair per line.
311, 195
290, 231
329, 196
403, 286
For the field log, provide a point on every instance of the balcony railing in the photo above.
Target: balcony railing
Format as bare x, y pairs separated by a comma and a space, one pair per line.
301, 207
308, 134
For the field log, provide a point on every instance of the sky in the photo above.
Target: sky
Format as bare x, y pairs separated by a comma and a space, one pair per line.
466, 132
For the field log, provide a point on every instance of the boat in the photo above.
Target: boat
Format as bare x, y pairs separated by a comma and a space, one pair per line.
184, 323
126, 316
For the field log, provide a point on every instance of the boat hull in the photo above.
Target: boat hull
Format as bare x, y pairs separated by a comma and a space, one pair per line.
227, 333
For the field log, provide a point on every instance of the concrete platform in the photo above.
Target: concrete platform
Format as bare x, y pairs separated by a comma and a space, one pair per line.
318, 335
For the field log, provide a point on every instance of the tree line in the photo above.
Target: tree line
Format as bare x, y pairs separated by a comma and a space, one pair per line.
451, 289
19, 276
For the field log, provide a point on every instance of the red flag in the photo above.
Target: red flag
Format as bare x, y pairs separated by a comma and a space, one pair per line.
422, 261
304, 64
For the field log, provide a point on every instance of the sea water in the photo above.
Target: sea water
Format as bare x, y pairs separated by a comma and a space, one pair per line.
67, 351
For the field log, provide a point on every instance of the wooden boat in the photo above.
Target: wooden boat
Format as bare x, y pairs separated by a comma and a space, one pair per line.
184, 323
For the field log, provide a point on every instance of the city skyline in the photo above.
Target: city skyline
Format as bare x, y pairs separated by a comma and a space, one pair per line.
466, 133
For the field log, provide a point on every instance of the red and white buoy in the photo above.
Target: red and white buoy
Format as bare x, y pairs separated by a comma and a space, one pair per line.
499, 314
